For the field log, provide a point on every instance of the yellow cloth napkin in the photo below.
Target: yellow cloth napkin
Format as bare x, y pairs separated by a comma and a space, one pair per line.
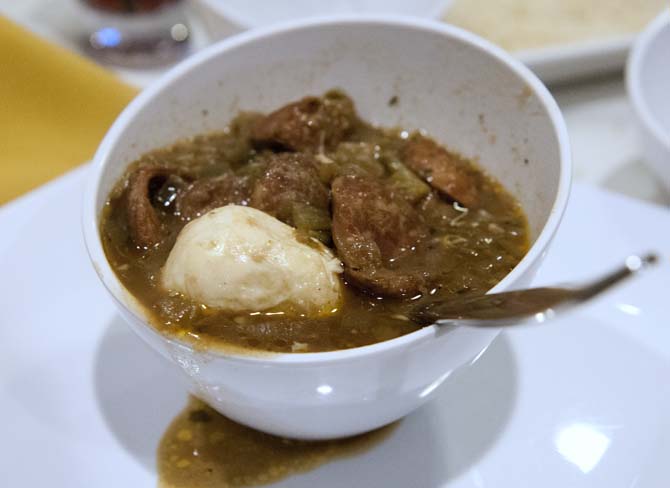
54, 109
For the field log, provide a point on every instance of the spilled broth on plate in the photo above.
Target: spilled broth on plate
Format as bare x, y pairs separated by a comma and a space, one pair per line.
203, 449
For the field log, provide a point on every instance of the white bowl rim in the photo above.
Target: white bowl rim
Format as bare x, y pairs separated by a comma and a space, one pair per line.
535, 253
634, 68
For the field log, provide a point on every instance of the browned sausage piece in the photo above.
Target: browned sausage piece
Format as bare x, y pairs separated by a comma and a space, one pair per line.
371, 229
443, 171
206, 194
308, 124
289, 179
143, 223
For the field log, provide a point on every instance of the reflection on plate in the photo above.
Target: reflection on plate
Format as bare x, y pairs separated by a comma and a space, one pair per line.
580, 402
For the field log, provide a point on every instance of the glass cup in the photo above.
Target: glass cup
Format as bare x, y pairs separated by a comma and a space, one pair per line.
135, 33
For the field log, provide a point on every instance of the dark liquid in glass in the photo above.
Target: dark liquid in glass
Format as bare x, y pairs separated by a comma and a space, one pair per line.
129, 6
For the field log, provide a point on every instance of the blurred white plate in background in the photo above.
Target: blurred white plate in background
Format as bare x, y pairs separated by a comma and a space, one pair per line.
552, 64
259, 13
567, 62
227, 17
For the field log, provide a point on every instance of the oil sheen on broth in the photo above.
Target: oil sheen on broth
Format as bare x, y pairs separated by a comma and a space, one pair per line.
407, 218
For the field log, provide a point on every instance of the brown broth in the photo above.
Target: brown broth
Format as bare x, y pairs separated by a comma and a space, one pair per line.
473, 250
203, 449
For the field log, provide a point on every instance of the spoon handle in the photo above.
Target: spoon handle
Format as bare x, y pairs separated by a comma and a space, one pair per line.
536, 305
632, 265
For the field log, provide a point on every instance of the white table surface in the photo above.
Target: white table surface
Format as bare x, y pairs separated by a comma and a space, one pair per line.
599, 117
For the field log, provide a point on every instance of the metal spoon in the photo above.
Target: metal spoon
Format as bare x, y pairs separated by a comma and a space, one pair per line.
534, 305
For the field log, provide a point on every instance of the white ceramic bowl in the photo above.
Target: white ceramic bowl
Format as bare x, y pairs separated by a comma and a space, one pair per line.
464, 91
226, 17
648, 84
